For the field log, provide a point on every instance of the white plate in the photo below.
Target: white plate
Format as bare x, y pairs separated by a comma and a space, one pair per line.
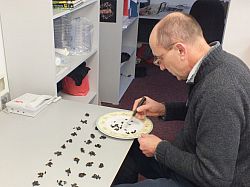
115, 125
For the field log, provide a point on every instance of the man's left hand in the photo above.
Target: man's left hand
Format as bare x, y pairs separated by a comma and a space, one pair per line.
148, 144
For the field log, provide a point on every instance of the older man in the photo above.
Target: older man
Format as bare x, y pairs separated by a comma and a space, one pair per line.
213, 148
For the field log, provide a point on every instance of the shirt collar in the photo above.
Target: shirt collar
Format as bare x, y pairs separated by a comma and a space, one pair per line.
193, 72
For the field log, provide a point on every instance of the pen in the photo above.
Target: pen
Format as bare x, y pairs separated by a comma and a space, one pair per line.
143, 99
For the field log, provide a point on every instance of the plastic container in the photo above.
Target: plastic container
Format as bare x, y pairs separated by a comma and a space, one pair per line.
81, 34
75, 35
62, 32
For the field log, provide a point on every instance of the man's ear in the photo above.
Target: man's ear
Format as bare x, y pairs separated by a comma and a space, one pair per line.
181, 49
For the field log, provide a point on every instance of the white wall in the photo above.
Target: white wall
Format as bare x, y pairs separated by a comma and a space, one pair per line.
237, 30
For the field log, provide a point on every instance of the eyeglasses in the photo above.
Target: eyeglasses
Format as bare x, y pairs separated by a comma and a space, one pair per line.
157, 59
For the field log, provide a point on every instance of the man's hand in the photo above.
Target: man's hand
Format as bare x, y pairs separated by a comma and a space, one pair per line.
149, 108
148, 144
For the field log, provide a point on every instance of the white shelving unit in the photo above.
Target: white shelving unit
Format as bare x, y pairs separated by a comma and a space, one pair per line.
185, 5
3, 75
115, 38
28, 34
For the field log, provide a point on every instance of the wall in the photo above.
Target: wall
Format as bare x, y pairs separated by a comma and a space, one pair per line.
236, 36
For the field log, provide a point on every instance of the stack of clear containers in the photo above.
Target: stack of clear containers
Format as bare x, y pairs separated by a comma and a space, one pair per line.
62, 32
75, 35
81, 33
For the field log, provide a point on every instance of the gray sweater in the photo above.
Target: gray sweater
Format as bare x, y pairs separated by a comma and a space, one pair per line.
213, 149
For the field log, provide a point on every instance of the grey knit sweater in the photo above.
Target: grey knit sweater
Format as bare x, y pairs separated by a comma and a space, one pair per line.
213, 149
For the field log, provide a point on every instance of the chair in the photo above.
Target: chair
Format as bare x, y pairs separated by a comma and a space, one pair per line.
210, 14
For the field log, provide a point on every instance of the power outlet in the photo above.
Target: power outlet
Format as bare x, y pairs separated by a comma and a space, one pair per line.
3, 100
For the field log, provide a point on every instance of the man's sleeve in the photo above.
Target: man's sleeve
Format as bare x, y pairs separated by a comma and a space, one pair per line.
175, 111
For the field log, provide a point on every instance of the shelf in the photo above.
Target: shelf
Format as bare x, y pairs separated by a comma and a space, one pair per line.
61, 12
160, 15
3, 85
71, 62
84, 99
124, 84
2, 76
157, 17
127, 22
125, 62
39, 67
115, 76
130, 51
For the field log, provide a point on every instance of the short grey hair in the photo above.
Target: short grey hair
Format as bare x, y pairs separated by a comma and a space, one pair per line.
178, 27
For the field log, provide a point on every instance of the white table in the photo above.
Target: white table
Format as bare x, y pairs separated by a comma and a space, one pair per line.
28, 144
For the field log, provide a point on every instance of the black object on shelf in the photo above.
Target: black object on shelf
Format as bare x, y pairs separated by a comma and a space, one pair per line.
79, 73
124, 57
144, 4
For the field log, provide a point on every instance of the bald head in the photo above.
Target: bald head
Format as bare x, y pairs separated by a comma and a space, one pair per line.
178, 42
176, 27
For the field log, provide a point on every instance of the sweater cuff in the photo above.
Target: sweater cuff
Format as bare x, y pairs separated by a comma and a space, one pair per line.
164, 117
160, 151
174, 111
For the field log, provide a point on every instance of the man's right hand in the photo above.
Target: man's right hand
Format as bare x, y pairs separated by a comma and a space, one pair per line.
149, 108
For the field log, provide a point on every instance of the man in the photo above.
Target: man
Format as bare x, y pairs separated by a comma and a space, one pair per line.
213, 148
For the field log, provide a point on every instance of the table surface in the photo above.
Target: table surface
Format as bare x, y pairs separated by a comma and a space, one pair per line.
29, 146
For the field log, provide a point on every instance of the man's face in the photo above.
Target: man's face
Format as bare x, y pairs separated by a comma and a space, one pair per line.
170, 59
